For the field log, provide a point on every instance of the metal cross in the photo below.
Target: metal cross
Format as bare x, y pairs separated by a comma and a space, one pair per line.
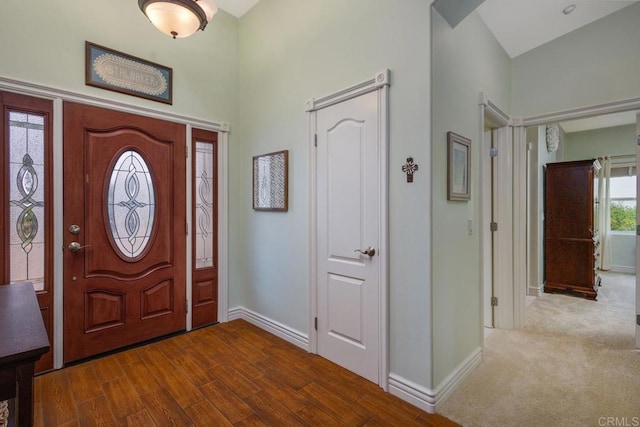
409, 169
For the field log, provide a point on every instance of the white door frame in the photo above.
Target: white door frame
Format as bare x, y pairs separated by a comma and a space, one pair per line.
58, 97
637, 234
520, 167
380, 83
510, 244
514, 307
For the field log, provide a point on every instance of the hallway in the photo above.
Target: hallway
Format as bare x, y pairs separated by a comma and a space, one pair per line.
572, 364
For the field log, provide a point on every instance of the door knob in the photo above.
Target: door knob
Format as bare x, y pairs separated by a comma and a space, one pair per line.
369, 251
75, 247
74, 229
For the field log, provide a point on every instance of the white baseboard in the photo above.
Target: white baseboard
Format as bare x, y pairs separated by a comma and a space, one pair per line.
534, 291
412, 393
623, 269
427, 399
278, 329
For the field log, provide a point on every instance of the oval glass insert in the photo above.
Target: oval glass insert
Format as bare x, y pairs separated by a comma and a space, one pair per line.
131, 204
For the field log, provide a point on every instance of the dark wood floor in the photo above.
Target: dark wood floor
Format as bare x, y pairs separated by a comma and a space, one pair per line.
223, 375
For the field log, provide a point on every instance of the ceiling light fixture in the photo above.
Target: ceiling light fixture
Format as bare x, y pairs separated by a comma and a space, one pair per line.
567, 10
178, 18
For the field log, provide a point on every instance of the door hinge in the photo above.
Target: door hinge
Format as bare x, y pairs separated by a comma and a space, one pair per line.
186, 152
315, 321
638, 230
493, 152
186, 306
186, 228
638, 320
494, 301
315, 139
493, 226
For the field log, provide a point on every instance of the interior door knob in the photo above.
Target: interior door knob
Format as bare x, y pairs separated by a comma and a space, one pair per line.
371, 251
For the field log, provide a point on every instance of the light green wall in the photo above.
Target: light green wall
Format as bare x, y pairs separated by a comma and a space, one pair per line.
466, 60
291, 51
539, 156
43, 42
612, 141
592, 65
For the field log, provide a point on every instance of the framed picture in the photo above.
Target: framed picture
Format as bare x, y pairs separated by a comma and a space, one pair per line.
270, 181
459, 167
112, 70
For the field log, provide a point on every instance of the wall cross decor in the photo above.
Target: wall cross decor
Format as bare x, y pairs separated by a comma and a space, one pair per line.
409, 168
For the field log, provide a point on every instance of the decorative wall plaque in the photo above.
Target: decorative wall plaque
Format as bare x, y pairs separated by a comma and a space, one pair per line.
109, 69
270, 181
459, 167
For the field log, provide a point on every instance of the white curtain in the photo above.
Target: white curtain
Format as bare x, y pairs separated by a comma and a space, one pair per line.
604, 213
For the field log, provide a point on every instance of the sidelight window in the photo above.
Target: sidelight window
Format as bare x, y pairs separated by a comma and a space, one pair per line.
204, 204
26, 198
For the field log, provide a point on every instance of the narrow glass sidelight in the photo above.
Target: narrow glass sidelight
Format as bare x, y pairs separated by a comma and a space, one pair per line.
204, 204
131, 204
26, 198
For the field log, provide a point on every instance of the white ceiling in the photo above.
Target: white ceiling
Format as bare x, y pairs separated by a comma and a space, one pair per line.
599, 122
521, 25
236, 8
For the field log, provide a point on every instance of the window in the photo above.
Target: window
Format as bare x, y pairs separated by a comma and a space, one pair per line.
623, 203
26, 237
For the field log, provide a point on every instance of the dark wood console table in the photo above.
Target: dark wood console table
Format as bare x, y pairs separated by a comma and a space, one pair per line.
23, 340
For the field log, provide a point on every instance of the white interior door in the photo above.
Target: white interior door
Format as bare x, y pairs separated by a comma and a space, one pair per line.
503, 259
348, 234
487, 243
637, 234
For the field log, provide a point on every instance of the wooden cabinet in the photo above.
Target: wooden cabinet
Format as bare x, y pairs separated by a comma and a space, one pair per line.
23, 340
571, 236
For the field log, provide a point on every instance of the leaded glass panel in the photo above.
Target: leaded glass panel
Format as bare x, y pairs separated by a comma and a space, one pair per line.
131, 204
204, 197
26, 199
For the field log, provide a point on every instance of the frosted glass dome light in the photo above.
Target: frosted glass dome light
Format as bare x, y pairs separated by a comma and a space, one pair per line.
178, 18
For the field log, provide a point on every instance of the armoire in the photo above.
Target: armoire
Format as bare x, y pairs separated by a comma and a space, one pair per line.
571, 241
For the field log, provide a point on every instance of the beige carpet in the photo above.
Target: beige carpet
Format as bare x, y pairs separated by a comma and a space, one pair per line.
574, 364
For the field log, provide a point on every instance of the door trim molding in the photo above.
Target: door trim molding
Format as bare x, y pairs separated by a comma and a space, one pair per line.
582, 112
380, 83
507, 244
59, 96
520, 164
381, 79
498, 117
53, 93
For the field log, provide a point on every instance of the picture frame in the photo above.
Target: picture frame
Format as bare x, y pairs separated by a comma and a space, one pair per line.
458, 167
119, 72
270, 181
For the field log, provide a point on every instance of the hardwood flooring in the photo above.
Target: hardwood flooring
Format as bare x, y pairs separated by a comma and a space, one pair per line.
232, 374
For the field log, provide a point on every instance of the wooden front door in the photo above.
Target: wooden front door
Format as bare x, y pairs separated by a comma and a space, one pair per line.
124, 229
